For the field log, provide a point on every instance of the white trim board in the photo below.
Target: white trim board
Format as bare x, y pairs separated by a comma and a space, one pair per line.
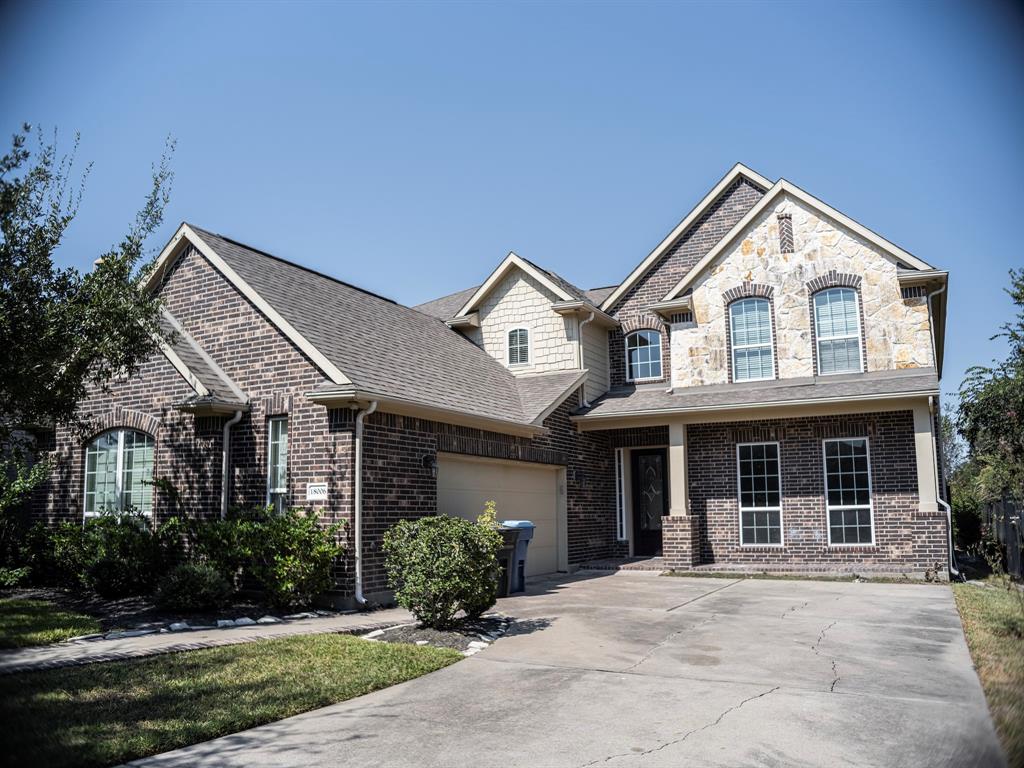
785, 187
173, 249
734, 173
510, 261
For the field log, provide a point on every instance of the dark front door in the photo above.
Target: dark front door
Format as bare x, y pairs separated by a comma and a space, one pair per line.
650, 499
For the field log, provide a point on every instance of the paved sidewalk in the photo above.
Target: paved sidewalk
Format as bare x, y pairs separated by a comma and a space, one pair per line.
90, 651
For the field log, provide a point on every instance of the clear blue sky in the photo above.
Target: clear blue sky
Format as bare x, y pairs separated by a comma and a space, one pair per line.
408, 147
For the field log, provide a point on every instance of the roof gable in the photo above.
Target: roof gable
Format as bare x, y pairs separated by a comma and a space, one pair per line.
736, 172
783, 187
563, 289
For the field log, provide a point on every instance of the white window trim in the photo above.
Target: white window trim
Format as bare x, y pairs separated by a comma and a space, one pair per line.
270, 427
620, 494
119, 472
742, 509
829, 508
529, 346
770, 345
660, 356
818, 338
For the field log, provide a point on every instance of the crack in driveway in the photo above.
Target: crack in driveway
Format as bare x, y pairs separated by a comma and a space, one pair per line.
795, 608
835, 671
669, 637
686, 735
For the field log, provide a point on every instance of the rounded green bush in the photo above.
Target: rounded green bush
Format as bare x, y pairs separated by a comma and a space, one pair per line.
193, 587
440, 566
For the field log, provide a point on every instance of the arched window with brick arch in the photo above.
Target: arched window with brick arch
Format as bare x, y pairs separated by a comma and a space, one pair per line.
119, 472
750, 336
643, 355
837, 331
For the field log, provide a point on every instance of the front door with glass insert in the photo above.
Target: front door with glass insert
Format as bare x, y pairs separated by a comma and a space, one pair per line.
650, 499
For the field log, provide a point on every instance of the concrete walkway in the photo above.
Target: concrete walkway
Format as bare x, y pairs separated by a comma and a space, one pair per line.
90, 651
634, 669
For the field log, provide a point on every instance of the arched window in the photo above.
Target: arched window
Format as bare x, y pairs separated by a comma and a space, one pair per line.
119, 473
643, 356
750, 323
837, 328
518, 346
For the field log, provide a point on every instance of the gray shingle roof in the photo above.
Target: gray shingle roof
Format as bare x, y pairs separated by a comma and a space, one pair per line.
537, 393
221, 388
445, 307
656, 398
597, 295
383, 347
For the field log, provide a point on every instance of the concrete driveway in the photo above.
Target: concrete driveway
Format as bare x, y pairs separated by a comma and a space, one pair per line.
635, 669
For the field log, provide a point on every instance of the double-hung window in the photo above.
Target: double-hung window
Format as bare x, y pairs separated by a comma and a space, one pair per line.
643, 356
837, 328
277, 463
750, 323
119, 473
760, 494
848, 491
518, 346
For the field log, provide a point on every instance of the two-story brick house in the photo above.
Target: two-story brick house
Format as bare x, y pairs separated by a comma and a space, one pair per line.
760, 391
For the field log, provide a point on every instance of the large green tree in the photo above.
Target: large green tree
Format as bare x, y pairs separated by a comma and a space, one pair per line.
63, 331
991, 413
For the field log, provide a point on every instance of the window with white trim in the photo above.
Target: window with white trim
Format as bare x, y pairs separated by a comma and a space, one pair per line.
750, 324
277, 463
620, 494
760, 494
518, 346
837, 328
643, 356
848, 491
119, 473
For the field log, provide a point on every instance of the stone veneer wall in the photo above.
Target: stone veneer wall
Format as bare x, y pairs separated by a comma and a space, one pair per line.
896, 331
519, 301
700, 238
905, 538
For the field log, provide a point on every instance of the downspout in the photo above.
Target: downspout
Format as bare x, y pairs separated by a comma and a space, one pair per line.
953, 570
357, 514
226, 462
579, 332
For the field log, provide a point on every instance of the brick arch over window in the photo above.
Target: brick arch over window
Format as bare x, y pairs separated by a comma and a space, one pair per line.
748, 290
617, 347
122, 417
834, 279
649, 323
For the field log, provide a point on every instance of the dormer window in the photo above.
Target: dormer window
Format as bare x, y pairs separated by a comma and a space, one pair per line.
750, 323
519, 346
643, 356
837, 328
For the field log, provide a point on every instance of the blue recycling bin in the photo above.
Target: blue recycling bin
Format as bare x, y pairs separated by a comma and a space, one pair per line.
518, 576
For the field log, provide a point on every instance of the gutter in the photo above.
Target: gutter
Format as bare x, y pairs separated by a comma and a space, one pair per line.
931, 327
357, 514
226, 462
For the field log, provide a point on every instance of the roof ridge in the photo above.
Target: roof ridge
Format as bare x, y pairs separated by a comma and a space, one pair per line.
291, 263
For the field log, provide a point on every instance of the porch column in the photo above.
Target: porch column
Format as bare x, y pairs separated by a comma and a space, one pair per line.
927, 467
680, 543
929, 526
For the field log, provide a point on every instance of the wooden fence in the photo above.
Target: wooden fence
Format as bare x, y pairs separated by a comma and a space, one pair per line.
1003, 518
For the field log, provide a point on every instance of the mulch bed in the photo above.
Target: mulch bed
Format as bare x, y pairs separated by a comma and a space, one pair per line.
480, 630
138, 612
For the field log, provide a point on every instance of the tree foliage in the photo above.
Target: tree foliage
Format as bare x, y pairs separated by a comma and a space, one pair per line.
991, 414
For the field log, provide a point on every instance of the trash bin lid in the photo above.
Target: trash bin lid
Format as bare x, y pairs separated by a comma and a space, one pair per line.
518, 524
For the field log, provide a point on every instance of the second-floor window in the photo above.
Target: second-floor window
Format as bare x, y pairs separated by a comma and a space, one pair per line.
518, 346
277, 463
643, 355
750, 323
837, 327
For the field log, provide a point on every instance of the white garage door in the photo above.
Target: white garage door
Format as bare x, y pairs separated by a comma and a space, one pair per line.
521, 490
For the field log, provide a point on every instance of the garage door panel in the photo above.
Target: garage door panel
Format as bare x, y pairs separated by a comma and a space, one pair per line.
521, 491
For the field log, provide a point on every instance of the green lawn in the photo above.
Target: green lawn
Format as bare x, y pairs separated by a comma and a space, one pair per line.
105, 714
994, 624
38, 622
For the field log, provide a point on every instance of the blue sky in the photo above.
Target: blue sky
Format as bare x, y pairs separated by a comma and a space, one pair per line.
408, 147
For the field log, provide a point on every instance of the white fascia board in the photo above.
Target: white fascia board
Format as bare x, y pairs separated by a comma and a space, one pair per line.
785, 187
735, 172
227, 380
579, 306
510, 261
170, 251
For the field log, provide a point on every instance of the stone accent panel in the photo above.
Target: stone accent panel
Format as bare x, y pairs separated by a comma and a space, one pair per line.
896, 331
520, 301
905, 539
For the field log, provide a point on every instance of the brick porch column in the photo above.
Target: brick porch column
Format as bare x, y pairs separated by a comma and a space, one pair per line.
680, 545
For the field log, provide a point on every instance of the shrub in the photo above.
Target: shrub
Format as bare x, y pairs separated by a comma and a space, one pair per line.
12, 577
292, 557
439, 566
122, 555
227, 545
193, 587
55, 556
